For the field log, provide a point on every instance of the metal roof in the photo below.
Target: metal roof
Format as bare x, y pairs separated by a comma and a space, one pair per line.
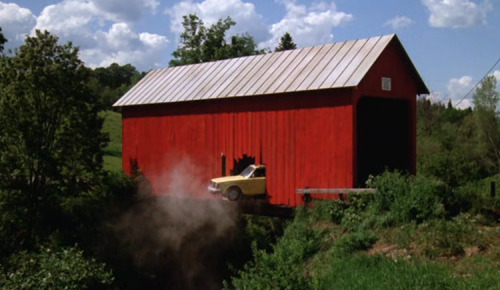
337, 65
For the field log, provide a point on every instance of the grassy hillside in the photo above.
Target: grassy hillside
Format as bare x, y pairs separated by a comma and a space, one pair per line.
113, 152
407, 236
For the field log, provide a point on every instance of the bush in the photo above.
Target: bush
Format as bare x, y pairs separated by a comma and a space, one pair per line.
455, 167
54, 269
328, 210
390, 187
353, 242
450, 237
350, 213
476, 198
14, 230
283, 268
262, 230
423, 202
409, 198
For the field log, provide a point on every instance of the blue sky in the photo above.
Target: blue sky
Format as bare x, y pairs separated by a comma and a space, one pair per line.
453, 43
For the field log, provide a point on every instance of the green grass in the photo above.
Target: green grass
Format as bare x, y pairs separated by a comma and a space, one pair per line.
377, 272
112, 163
113, 152
320, 250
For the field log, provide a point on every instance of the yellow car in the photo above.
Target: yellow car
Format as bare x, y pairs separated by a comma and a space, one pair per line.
250, 182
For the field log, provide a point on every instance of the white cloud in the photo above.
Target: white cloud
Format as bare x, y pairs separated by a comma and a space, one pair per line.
71, 21
399, 22
438, 97
130, 10
308, 25
210, 11
435, 97
101, 38
16, 23
458, 88
457, 13
122, 45
464, 104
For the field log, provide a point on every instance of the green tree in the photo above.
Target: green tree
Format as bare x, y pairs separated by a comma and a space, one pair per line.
50, 131
202, 44
242, 45
488, 136
116, 75
3, 40
286, 43
111, 82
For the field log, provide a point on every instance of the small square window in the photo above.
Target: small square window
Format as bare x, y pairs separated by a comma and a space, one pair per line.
386, 84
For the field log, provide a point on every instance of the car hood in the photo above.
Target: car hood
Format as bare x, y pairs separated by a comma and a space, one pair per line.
227, 178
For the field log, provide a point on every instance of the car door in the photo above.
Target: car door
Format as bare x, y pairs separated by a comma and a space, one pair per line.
256, 183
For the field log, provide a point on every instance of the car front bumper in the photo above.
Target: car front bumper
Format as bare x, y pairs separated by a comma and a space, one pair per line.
214, 190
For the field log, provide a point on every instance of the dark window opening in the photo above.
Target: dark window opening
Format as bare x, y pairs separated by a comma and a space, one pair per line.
384, 137
259, 172
241, 163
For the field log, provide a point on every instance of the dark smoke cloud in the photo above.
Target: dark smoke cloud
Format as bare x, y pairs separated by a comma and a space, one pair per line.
179, 241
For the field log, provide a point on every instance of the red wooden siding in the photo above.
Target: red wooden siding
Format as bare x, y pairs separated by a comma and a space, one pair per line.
393, 63
305, 139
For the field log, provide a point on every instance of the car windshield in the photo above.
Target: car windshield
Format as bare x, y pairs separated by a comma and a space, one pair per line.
247, 172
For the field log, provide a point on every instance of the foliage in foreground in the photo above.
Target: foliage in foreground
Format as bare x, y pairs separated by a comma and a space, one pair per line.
59, 269
50, 131
362, 271
405, 236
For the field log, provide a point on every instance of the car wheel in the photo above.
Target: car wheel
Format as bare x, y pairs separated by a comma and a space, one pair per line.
233, 193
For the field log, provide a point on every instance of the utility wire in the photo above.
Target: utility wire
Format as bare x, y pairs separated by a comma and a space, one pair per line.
477, 84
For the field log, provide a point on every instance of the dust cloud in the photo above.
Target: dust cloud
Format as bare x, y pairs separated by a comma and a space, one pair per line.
176, 241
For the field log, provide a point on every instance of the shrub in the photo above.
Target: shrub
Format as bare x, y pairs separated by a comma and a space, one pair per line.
55, 269
409, 198
262, 230
353, 242
283, 268
450, 237
14, 230
422, 202
390, 187
328, 210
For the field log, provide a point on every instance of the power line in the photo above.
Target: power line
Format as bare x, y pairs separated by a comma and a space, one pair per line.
477, 84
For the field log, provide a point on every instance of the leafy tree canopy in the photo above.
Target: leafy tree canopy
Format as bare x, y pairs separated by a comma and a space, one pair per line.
50, 131
202, 44
111, 82
486, 97
488, 136
286, 43
116, 75
3, 40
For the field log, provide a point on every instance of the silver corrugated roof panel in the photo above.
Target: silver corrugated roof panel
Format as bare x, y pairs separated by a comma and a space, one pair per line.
342, 64
288, 56
373, 49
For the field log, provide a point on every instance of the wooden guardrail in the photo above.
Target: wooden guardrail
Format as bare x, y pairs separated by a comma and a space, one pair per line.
335, 190
307, 198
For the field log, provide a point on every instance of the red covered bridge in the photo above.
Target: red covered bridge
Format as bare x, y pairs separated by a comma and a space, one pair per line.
319, 117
